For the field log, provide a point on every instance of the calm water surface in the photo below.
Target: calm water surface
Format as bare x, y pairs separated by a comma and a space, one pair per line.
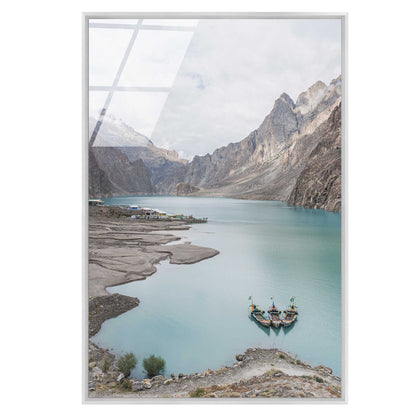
196, 316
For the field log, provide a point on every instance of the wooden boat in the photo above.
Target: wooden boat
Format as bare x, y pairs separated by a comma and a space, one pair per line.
259, 316
274, 316
290, 314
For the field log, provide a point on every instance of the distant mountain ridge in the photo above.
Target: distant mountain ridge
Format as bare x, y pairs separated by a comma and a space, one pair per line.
277, 161
125, 162
115, 132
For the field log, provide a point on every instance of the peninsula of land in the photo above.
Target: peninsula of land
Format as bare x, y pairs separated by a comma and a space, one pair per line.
122, 250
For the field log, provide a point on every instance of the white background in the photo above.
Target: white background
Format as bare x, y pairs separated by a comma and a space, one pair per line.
41, 212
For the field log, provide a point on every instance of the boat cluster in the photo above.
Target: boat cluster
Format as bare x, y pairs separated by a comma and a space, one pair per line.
274, 317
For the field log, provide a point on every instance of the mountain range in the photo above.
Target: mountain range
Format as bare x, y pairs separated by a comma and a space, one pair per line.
293, 156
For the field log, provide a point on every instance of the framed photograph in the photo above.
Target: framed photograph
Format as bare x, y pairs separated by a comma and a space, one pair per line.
214, 207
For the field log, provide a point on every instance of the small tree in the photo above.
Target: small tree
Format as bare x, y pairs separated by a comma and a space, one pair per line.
199, 392
153, 365
126, 363
106, 366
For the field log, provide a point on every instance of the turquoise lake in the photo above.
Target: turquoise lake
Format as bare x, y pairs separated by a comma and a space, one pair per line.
196, 316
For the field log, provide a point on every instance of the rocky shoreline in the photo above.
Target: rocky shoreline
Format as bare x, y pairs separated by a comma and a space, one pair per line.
122, 250
263, 373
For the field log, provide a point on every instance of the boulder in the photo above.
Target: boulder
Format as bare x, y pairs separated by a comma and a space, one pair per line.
323, 370
91, 365
180, 375
207, 372
147, 384
91, 386
239, 357
137, 385
168, 381
97, 371
120, 378
158, 378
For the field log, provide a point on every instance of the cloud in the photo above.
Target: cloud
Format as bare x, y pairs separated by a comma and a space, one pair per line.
229, 78
233, 72
155, 58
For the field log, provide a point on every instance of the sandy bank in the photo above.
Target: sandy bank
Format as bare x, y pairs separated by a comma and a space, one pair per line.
122, 250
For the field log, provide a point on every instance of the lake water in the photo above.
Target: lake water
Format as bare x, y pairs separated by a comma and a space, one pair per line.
196, 316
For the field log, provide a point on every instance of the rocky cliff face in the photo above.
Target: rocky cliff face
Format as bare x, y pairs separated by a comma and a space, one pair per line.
164, 165
319, 183
99, 185
183, 189
125, 177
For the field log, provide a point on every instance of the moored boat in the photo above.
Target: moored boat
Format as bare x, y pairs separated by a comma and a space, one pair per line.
259, 316
290, 314
274, 316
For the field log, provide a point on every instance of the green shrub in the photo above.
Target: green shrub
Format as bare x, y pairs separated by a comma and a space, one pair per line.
126, 384
126, 363
282, 356
319, 379
298, 362
197, 393
153, 365
106, 365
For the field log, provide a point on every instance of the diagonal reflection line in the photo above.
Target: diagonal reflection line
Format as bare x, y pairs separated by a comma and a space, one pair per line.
177, 72
144, 27
133, 89
115, 82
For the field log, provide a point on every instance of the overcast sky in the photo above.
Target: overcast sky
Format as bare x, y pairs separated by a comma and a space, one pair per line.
224, 77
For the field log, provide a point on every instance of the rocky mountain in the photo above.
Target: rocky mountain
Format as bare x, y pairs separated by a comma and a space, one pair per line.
319, 183
268, 162
164, 165
183, 189
99, 185
124, 176
115, 132
294, 155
